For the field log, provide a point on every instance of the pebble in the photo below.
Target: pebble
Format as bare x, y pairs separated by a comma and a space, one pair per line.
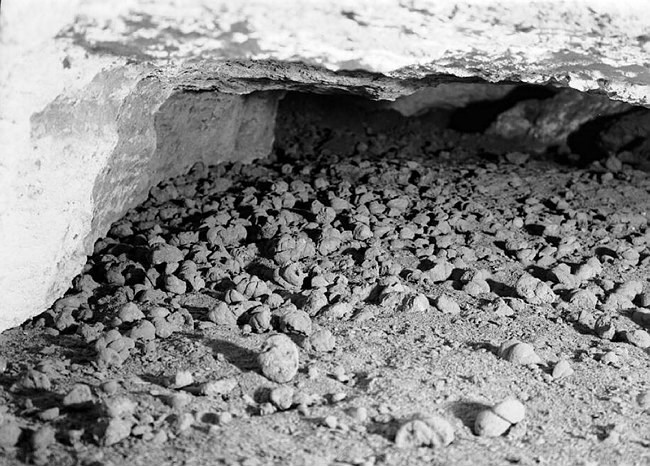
359, 414
259, 318
534, 291
10, 432
116, 430
519, 353
611, 358
639, 338
166, 254
584, 299
313, 372
266, 409
222, 315
643, 400
35, 380
495, 421
476, 288
119, 407
282, 397
110, 387
225, 417
414, 302
630, 289
440, 272
337, 310
130, 312
217, 387
49, 414
42, 438
429, 431
183, 379
501, 308
179, 400
322, 341
144, 330
562, 369
278, 358
174, 284
447, 305
79, 395
590, 269
340, 374
296, 322
517, 158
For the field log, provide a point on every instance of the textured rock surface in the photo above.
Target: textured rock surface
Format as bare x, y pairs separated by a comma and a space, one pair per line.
92, 112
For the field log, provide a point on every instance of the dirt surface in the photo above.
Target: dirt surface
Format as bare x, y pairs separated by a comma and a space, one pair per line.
444, 302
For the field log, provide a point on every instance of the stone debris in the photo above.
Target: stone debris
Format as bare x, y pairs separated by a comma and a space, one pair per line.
387, 277
497, 420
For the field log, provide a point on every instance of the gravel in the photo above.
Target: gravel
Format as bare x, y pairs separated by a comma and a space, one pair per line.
389, 278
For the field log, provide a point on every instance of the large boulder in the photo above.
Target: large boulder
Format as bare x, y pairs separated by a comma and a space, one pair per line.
99, 100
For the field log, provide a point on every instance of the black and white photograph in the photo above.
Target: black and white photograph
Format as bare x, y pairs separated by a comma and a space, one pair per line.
324, 233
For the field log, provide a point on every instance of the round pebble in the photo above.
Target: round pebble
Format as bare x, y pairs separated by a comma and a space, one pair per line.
282, 397
447, 305
431, 431
519, 353
278, 358
322, 341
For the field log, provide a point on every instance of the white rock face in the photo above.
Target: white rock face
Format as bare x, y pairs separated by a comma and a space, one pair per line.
92, 113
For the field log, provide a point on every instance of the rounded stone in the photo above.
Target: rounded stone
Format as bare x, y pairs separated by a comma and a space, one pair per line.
490, 424
510, 409
430, 430
282, 397
322, 341
130, 312
279, 359
519, 353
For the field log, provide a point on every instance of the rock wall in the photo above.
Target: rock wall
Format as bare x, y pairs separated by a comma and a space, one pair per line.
100, 100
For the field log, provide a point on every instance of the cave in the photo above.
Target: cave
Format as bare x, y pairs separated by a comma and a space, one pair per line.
371, 238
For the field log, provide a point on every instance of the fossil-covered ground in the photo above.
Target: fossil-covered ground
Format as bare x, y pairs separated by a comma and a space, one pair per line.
378, 291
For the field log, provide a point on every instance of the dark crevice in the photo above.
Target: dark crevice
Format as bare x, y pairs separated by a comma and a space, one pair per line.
478, 116
586, 141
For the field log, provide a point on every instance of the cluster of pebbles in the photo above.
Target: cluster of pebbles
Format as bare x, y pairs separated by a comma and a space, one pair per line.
285, 251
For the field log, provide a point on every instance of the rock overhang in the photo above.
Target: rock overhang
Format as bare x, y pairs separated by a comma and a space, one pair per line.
87, 85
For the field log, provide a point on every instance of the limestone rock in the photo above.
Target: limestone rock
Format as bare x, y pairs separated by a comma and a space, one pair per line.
91, 92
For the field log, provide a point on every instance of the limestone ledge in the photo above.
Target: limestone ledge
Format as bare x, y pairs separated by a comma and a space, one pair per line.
93, 109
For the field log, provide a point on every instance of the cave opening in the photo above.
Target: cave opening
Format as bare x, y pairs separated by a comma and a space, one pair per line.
392, 274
